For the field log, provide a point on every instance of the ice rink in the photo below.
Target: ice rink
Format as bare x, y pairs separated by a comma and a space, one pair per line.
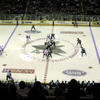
26, 62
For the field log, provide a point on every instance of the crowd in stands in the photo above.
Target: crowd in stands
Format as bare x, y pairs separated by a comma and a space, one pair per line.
12, 7
65, 90
44, 6
40, 8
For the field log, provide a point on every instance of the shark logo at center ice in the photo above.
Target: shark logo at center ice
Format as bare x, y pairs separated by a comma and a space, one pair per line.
57, 50
63, 50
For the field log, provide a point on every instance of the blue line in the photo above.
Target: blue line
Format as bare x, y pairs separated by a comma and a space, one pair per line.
95, 45
9, 38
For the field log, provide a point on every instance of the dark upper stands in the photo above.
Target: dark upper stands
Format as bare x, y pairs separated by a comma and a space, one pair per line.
59, 9
12, 6
87, 7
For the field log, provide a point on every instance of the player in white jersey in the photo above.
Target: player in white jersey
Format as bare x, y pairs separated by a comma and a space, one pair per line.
45, 53
28, 38
48, 38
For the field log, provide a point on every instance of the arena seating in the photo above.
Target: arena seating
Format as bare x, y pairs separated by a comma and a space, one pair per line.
65, 90
51, 7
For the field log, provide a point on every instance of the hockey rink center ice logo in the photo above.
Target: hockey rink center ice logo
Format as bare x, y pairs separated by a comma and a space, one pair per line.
58, 52
74, 72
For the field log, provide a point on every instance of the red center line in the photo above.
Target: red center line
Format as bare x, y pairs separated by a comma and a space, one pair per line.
46, 70
47, 60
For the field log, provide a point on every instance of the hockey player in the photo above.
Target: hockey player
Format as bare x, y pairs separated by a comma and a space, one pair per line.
52, 36
79, 42
83, 51
45, 53
33, 27
9, 75
50, 52
48, 46
48, 38
53, 44
28, 38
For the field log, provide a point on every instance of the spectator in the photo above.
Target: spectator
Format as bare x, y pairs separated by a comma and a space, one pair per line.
37, 92
73, 90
